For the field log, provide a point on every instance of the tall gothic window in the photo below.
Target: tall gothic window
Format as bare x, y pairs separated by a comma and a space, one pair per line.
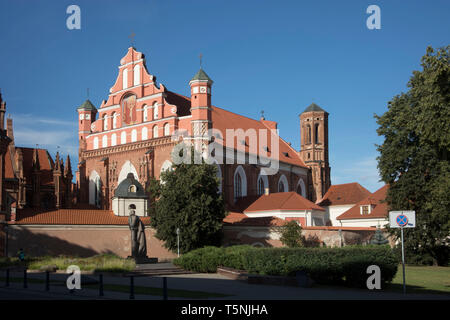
125, 78
144, 133
308, 134
105, 122
280, 186
114, 116
155, 111
145, 113
237, 186
155, 132
316, 133
166, 129
137, 75
260, 186
299, 189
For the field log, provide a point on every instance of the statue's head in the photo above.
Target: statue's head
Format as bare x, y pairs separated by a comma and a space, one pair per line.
132, 209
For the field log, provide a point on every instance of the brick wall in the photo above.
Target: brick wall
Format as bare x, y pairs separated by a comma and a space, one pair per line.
80, 241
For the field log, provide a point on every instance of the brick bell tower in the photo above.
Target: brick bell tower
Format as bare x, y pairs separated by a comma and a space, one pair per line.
86, 116
314, 149
200, 108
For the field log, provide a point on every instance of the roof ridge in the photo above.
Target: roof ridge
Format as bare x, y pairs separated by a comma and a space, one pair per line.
287, 198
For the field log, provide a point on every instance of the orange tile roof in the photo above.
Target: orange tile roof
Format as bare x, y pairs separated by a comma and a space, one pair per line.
286, 201
240, 219
45, 162
376, 199
223, 119
347, 193
9, 172
71, 217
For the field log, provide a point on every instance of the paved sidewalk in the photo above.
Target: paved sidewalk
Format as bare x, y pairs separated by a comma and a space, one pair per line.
212, 283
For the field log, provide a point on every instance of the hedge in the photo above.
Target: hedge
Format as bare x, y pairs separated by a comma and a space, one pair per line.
345, 265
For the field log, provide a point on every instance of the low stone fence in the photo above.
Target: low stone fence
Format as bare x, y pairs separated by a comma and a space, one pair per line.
262, 236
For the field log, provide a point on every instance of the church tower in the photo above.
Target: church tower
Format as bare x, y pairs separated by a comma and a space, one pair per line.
200, 107
314, 149
86, 116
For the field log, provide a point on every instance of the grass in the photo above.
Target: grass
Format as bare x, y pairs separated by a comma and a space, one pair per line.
98, 263
422, 279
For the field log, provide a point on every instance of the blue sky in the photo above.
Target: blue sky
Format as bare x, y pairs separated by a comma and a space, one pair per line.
276, 56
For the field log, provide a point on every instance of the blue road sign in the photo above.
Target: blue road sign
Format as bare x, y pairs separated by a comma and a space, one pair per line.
402, 220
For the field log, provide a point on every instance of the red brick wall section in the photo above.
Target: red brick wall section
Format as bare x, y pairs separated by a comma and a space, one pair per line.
81, 241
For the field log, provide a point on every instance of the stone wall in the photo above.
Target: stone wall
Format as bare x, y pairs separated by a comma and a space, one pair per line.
270, 236
80, 241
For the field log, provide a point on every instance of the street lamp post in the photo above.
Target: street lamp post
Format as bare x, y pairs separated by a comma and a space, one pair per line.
178, 241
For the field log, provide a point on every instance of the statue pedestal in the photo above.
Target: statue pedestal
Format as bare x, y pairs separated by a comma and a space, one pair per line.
143, 260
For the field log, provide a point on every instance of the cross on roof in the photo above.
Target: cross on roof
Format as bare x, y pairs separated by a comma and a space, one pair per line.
131, 36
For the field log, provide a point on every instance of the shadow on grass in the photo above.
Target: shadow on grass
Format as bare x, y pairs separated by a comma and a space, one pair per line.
398, 288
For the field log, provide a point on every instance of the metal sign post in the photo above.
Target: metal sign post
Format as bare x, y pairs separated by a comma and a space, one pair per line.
402, 219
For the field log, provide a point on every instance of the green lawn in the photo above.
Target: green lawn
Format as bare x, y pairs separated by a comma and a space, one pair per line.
422, 279
98, 263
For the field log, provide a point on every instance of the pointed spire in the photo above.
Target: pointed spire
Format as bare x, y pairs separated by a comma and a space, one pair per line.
36, 164
57, 163
68, 168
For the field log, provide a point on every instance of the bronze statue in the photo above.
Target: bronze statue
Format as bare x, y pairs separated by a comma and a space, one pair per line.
138, 241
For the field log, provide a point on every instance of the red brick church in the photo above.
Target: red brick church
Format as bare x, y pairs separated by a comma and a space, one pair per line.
132, 132
130, 137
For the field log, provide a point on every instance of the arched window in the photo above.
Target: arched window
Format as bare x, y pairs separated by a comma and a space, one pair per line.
125, 78
262, 183
237, 186
113, 139
280, 187
145, 116
105, 122
96, 143
155, 132
115, 117
308, 134
301, 188
155, 111
260, 186
132, 188
283, 185
104, 141
144, 133
166, 129
316, 133
123, 137
137, 75
240, 183
134, 135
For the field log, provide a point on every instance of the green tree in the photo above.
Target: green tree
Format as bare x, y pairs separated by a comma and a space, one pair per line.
291, 235
187, 199
414, 160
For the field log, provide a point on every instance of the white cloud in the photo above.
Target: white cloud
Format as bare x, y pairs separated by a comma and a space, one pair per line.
364, 171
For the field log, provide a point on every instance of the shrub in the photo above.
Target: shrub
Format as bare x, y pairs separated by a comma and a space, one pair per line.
291, 235
325, 265
206, 259
234, 256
